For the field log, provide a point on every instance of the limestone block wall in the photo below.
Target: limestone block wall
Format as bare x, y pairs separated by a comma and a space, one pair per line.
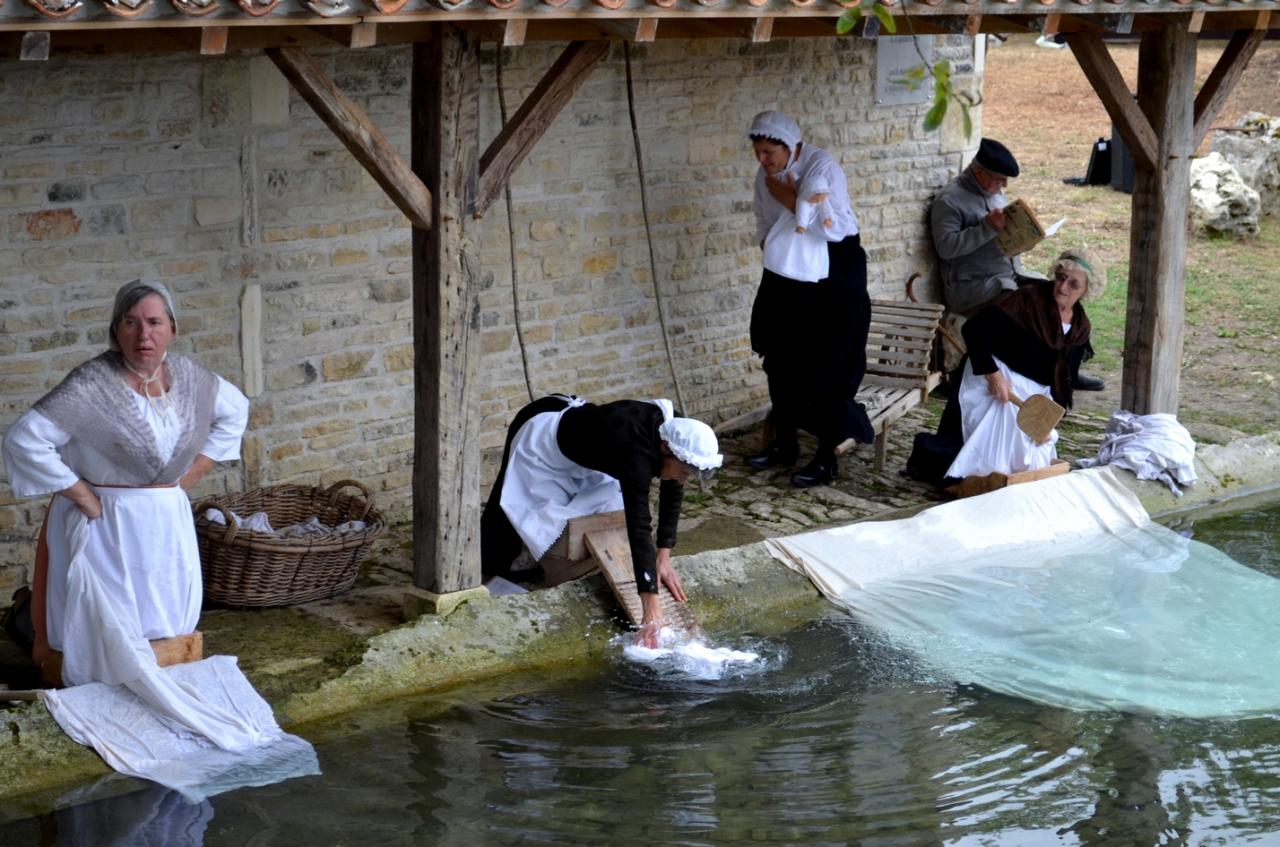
213, 176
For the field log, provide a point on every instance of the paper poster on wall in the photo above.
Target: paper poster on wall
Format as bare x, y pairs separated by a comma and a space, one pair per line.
895, 55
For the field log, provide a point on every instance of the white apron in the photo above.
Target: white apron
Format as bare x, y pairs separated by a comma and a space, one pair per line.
992, 440
543, 489
144, 554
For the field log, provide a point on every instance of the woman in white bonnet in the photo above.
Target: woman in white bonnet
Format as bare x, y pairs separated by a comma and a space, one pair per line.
812, 313
567, 458
117, 443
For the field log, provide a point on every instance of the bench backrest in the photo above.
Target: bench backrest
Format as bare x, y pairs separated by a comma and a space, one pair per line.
900, 343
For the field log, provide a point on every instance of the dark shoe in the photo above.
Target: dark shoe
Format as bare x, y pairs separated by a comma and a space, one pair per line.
772, 456
814, 473
1087, 383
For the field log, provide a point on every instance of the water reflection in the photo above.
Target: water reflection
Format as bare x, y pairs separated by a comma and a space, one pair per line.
839, 738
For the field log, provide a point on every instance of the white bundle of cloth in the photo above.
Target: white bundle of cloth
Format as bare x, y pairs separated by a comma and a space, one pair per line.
198, 728
261, 522
1152, 446
992, 440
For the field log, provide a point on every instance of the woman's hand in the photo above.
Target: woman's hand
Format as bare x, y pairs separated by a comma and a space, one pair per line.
783, 190
85, 498
998, 387
200, 466
651, 625
667, 575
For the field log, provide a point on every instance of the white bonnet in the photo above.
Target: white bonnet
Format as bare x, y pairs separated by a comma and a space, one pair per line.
778, 126
692, 442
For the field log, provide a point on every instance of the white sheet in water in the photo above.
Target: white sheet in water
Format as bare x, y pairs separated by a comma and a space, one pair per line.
690, 656
1063, 592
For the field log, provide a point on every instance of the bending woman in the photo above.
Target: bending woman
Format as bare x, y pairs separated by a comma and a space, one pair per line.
812, 313
1029, 342
117, 442
566, 458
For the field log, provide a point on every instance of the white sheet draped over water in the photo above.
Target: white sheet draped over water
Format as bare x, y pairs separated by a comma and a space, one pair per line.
1063, 592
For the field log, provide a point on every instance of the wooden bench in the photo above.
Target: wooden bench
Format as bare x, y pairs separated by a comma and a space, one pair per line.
899, 352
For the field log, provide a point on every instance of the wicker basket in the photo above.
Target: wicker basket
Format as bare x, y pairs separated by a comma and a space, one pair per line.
255, 569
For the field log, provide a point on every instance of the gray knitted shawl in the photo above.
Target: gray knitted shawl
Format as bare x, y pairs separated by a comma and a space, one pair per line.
94, 404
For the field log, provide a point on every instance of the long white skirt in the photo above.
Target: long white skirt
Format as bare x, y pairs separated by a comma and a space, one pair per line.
144, 554
543, 489
992, 440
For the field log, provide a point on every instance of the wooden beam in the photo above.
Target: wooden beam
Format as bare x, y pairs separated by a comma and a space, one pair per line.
445, 125
514, 31
1223, 78
761, 30
1196, 23
633, 29
533, 117
213, 40
1158, 224
972, 25
1105, 77
356, 36
1052, 23
357, 133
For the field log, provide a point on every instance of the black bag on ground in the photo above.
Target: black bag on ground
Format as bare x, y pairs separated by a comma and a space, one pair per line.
931, 455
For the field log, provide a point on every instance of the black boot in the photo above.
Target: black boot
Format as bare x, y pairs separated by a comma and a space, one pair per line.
772, 456
818, 472
1083, 382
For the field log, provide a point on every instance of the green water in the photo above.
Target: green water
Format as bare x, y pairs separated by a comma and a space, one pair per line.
835, 737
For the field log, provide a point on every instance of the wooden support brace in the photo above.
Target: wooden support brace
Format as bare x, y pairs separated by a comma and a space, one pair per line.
357, 133
1263, 23
514, 31
1105, 77
1052, 23
761, 30
1196, 23
972, 25
534, 116
1222, 80
34, 47
213, 40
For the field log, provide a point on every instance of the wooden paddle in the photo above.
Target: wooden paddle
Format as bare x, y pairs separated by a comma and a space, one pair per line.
1037, 415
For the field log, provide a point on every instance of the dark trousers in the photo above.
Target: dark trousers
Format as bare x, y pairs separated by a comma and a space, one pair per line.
499, 541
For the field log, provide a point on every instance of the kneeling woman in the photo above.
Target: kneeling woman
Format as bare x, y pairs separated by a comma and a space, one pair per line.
565, 458
1031, 342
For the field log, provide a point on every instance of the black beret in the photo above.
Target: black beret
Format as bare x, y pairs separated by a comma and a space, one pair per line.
996, 158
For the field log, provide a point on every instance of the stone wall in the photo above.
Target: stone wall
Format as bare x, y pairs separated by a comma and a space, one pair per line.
211, 175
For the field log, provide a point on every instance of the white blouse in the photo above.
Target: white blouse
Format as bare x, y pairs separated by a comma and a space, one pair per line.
40, 457
811, 161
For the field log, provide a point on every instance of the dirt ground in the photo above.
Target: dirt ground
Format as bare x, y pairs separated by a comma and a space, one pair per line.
1038, 102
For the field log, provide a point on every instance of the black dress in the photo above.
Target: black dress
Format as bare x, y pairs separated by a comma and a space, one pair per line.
813, 338
619, 439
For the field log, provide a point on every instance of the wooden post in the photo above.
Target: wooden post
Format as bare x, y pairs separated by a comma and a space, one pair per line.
445, 128
1158, 228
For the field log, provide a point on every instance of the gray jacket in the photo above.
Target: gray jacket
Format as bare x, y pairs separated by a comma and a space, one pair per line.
974, 268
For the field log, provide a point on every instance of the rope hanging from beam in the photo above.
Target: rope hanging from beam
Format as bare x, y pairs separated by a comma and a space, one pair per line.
511, 241
648, 232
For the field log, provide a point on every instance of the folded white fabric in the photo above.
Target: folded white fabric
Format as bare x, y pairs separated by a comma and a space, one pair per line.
260, 522
257, 522
1152, 446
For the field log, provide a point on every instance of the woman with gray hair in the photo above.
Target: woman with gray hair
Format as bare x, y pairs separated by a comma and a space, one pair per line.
1030, 341
117, 443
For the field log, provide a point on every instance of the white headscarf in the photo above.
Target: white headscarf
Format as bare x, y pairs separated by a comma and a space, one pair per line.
692, 442
779, 127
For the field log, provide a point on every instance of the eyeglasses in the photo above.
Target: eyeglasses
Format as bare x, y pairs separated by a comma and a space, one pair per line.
1074, 284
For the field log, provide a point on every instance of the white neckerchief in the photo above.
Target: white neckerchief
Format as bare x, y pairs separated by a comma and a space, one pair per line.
161, 402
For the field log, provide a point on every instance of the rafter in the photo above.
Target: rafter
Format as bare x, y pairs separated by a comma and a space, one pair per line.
531, 120
1111, 88
357, 133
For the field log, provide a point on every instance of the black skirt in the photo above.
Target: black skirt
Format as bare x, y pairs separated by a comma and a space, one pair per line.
813, 338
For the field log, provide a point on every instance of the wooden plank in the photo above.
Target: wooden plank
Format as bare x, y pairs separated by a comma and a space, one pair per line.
972, 485
571, 544
612, 550
1222, 80
251, 340
1102, 73
213, 40
534, 116
445, 123
514, 32
361, 136
1158, 224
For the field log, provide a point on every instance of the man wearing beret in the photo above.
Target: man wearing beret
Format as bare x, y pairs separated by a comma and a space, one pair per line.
964, 218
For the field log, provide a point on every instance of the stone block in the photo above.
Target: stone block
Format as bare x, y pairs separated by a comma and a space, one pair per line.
212, 211
345, 365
